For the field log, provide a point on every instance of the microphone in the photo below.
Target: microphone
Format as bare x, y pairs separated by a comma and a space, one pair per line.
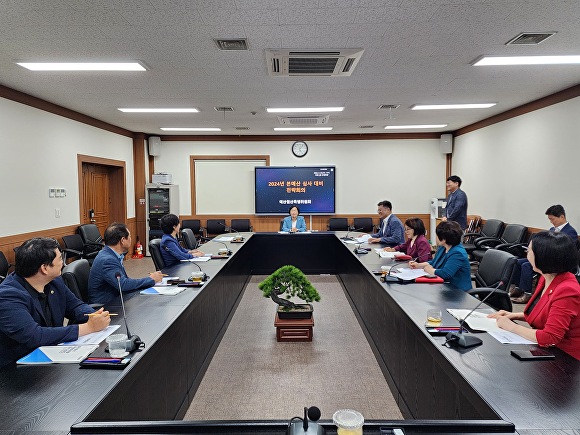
239, 237
229, 252
311, 415
133, 341
347, 233
460, 340
204, 277
359, 250
390, 278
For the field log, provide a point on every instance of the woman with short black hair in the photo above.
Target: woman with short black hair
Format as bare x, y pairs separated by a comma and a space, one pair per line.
171, 251
416, 245
554, 308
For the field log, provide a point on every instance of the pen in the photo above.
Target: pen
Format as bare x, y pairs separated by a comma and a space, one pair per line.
94, 314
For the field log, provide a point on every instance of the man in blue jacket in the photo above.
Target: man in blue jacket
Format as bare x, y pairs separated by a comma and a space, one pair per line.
391, 232
108, 264
456, 208
34, 302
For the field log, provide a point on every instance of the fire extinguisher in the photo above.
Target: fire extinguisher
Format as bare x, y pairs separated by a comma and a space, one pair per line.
138, 250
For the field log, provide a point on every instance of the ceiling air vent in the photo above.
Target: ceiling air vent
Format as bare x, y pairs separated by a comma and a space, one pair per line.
327, 63
366, 126
223, 109
242, 128
303, 120
232, 44
530, 38
389, 106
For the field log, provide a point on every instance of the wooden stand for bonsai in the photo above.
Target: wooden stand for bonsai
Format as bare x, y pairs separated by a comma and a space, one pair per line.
293, 329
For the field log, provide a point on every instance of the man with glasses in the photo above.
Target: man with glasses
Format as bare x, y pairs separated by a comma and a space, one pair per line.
391, 232
34, 302
103, 284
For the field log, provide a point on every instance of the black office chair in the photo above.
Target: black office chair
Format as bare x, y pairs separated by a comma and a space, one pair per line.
4, 266
75, 248
189, 240
513, 234
365, 224
155, 251
241, 225
338, 224
491, 228
495, 267
194, 225
214, 227
91, 237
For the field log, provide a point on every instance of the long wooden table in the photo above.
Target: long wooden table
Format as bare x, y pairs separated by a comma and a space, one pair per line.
482, 388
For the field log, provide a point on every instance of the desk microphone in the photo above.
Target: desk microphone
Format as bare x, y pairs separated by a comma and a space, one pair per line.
311, 415
390, 278
204, 277
359, 250
460, 340
133, 341
348, 232
230, 229
229, 250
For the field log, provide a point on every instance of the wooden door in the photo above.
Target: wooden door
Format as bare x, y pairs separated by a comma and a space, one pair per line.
96, 189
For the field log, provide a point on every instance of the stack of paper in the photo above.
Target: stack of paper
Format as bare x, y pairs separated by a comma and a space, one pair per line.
57, 354
160, 290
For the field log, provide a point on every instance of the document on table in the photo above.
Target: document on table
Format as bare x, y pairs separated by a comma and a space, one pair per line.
224, 239
162, 290
506, 337
57, 354
386, 254
478, 321
199, 259
407, 274
363, 238
93, 337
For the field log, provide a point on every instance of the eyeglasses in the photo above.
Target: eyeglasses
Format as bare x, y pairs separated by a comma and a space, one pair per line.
408, 229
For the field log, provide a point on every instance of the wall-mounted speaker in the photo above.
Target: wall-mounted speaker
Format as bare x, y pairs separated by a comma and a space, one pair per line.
446, 143
154, 143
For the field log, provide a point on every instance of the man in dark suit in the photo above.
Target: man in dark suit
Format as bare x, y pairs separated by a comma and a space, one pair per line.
456, 208
391, 232
523, 272
34, 302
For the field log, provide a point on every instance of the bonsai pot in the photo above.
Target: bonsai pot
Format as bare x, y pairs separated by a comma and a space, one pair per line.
303, 311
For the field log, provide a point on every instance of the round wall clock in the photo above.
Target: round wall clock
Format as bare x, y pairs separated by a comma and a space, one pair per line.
299, 148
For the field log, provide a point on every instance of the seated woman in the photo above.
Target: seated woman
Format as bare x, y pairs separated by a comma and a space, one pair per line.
451, 262
294, 223
417, 245
553, 311
171, 251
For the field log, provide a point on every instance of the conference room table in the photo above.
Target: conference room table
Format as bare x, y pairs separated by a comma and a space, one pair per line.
438, 388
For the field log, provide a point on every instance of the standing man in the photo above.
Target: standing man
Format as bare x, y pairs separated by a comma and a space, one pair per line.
456, 209
523, 272
103, 284
391, 232
34, 302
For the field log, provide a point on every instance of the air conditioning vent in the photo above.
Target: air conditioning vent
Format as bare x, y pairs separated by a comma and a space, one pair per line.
389, 106
232, 44
223, 109
242, 128
530, 38
328, 63
303, 120
366, 126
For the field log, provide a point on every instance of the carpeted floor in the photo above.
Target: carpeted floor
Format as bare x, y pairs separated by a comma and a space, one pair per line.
254, 377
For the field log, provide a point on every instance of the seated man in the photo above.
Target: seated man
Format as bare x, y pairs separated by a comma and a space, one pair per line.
171, 252
103, 284
34, 302
523, 272
391, 232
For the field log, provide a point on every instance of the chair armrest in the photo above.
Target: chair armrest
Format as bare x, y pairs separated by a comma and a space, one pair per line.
71, 251
251, 229
486, 242
517, 249
471, 234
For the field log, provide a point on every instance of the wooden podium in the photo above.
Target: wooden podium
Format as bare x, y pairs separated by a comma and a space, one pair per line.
293, 329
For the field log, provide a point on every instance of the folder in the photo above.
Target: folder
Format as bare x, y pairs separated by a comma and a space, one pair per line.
57, 354
425, 279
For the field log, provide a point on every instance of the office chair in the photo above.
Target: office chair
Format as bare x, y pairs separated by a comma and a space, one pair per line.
155, 251
214, 227
365, 224
75, 248
491, 228
194, 225
338, 224
513, 234
91, 237
496, 266
241, 225
76, 278
189, 240
4, 266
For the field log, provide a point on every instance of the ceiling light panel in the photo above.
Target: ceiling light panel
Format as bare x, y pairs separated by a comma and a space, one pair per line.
526, 60
452, 106
412, 126
82, 66
303, 109
302, 128
158, 110
191, 129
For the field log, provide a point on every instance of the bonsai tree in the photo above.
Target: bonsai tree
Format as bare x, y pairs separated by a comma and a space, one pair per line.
286, 282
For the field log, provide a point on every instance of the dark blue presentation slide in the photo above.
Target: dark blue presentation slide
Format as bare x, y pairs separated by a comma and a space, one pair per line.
309, 188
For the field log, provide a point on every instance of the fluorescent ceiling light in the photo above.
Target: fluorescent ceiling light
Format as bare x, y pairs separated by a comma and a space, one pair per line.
82, 66
451, 106
191, 129
153, 110
526, 60
302, 128
400, 127
303, 109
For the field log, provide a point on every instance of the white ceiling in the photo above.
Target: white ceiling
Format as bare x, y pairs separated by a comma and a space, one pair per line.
416, 52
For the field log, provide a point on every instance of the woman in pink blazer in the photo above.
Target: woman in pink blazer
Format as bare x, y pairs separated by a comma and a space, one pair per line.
553, 311
417, 245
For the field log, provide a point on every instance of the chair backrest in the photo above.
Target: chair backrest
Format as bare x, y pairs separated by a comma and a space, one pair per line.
155, 251
499, 300
514, 233
492, 228
193, 224
90, 233
76, 278
496, 266
189, 239
4, 266
242, 225
338, 224
365, 223
215, 226
72, 242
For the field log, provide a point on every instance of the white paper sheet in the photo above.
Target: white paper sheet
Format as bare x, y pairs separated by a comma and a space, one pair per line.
506, 337
408, 274
363, 238
478, 321
224, 239
93, 337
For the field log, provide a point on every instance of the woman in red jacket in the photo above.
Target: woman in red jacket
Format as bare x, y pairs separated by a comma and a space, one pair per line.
553, 311
417, 246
